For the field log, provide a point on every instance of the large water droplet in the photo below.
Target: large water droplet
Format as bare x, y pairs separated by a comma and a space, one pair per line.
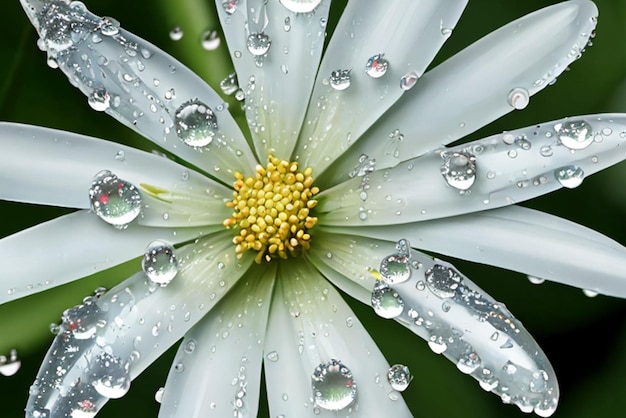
9, 366
395, 269
258, 44
576, 134
210, 40
196, 124
399, 377
376, 66
386, 302
519, 98
84, 409
409, 80
160, 263
110, 376
333, 386
99, 100
115, 201
570, 176
339, 79
459, 169
176, 34
468, 362
300, 6
82, 320
443, 281
230, 85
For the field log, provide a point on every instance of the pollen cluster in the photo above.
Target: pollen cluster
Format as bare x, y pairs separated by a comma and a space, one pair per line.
272, 210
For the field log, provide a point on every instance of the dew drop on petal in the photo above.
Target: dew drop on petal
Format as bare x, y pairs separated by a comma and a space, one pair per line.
443, 281
376, 66
386, 302
333, 386
196, 124
210, 40
115, 201
110, 376
399, 377
9, 366
84, 409
570, 176
176, 34
339, 79
300, 6
590, 293
158, 396
258, 44
535, 280
468, 362
82, 320
160, 263
99, 100
576, 134
408, 81
459, 169
519, 98
395, 269
230, 6
229, 85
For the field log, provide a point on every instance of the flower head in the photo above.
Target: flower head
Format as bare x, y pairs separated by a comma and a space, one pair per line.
345, 178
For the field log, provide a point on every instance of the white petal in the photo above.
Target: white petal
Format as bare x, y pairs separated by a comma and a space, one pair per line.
489, 173
71, 247
310, 324
458, 319
41, 165
472, 88
133, 324
141, 86
408, 32
524, 240
217, 370
278, 84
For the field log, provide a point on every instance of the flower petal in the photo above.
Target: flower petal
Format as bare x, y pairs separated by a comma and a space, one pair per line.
46, 166
277, 83
129, 327
524, 240
489, 173
141, 86
310, 325
220, 376
71, 247
336, 118
475, 86
456, 317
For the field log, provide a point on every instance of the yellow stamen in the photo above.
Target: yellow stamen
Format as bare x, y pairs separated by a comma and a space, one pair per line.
273, 210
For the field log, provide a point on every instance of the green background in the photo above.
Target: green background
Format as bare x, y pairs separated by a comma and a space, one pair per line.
585, 338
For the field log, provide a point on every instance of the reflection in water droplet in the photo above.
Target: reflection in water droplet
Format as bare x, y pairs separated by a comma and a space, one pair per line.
210, 40
333, 386
340, 79
376, 66
570, 176
300, 6
443, 281
258, 44
115, 201
408, 81
519, 98
395, 269
459, 169
110, 376
99, 100
399, 377
196, 124
576, 134
386, 302
160, 263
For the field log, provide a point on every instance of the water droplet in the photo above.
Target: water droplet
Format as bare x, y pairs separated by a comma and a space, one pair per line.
258, 44
408, 81
519, 98
399, 377
110, 376
590, 293
437, 346
9, 366
158, 396
443, 281
210, 40
535, 280
333, 386
287, 24
575, 135
99, 100
340, 79
395, 269
109, 26
160, 263
230, 85
272, 356
115, 201
546, 151
570, 176
376, 66
386, 302
176, 34
230, 6
190, 346
84, 409
468, 362
82, 320
195, 123
300, 6
459, 169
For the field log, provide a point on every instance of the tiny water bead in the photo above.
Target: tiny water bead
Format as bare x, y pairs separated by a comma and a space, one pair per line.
570, 176
195, 123
115, 201
10, 365
459, 169
333, 386
300, 6
339, 79
272, 210
160, 263
399, 377
258, 44
576, 134
376, 66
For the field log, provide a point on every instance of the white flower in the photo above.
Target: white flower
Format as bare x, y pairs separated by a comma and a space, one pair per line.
372, 127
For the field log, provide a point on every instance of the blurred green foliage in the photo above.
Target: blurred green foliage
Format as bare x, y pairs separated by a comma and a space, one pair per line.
585, 338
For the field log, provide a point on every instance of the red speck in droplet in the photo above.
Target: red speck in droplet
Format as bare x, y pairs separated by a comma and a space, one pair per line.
103, 199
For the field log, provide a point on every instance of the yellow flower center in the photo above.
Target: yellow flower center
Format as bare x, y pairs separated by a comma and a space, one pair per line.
272, 210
